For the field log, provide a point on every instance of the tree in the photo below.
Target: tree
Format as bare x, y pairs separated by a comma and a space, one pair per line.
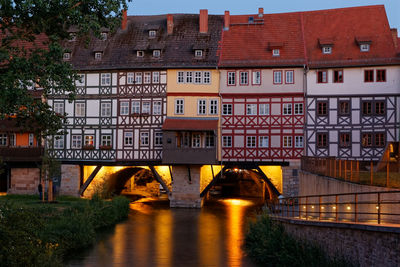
31, 54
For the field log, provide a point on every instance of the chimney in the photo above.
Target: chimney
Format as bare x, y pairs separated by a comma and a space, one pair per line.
260, 12
227, 21
170, 23
124, 19
395, 37
203, 20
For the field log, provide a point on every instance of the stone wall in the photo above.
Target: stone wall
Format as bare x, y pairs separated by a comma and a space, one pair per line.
70, 180
363, 245
290, 179
185, 190
24, 181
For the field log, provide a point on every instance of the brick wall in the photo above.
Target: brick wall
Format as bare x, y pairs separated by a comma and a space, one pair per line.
70, 175
290, 179
185, 191
24, 181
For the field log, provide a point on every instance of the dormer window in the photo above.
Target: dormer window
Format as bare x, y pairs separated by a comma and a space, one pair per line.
275, 52
251, 19
198, 53
364, 47
67, 56
72, 37
156, 53
103, 36
98, 55
327, 49
139, 53
152, 33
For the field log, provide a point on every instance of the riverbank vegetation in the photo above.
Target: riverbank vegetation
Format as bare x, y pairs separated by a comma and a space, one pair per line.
42, 234
268, 244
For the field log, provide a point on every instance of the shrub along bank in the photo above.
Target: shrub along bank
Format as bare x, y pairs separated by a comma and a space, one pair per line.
268, 244
41, 234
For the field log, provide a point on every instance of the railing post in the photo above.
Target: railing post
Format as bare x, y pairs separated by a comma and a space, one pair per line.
319, 208
337, 208
340, 168
351, 170
306, 208
372, 172
345, 170
355, 207
379, 208
358, 170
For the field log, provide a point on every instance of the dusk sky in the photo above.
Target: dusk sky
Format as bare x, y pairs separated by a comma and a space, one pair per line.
146, 7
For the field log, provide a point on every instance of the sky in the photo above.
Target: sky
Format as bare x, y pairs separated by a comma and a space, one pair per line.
154, 7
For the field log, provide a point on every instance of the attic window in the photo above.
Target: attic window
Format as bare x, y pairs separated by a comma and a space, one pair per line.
139, 53
275, 52
251, 19
67, 56
156, 53
327, 49
364, 47
103, 36
198, 53
97, 55
152, 33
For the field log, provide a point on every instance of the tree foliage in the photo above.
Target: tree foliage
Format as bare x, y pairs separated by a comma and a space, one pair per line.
31, 54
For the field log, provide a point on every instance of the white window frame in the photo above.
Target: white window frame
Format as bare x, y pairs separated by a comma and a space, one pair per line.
364, 47
157, 107
251, 141
289, 77
275, 52
263, 109
298, 108
179, 106
147, 77
206, 77
287, 109
98, 55
152, 33
130, 78
213, 107
128, 138
287, 141
256, 77
135, 107
277, 76
227, 109
251, 109
197, 77
67, 56
138, 78
31, 139
105, 109
124, 108
244, 78
298, 141
158, 139
13, 140
103, 36
144, 138
201, 107
156, 77
76, 141
180, 77
106, 140
189, 77
263, 141
196, 140
81, 80
231, 78
59, 108
146, 107
59, 142
327, 50
156, 53
227, 141
80, 109
105, 79
139, 53
198, 53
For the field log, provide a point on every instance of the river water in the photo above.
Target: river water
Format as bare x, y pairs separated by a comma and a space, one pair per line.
157, 236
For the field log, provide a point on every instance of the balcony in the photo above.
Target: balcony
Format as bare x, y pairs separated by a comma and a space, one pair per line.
20, 154
189, 155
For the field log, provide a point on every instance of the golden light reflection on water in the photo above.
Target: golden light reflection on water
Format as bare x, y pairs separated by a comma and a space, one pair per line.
163, 238
208, 240
119, 244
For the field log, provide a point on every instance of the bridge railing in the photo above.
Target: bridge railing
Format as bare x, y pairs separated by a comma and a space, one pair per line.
364, 207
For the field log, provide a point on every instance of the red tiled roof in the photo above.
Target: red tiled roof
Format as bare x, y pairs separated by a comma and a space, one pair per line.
173, 124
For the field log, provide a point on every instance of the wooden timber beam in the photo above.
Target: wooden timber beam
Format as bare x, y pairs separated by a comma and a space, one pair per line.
213, 181
89, 179
265, 178
159, 179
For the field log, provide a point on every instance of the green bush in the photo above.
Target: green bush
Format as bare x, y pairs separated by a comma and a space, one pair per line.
269, 245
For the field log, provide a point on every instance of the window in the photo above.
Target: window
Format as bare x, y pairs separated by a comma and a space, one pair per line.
59, 142
381, 75
81, 80
287, 141
59, 108
366, 140
76, 142
322, 76
198, 53
97, 55
67, 56
156, 77
146, 107
106, 109
196, 140
287, 109
180, 76
135, 107
263, 109
147, 77
367, 108
89, 140
156, 53
213, 107
138, 78
263, 141
327, 50
144, 138
344, 108
322, 108
380, 139
206, 77
105, 79
338, 76
124, 108
227, 109
289, 76
344, 140
380, 108
152, 33
210, 140
140, 53
298, 141
103, 36
201, 106
158, 136
322, 140
251, 109
197, 77
364, 47
80, 109
275, 52
251, 141
257, 77
31, 139
72, 37
3, 139
231, 78
298, 108
227, 141
130, 78
278, 77
128, 138
368, 76
106, 140
244, 78
12, 140
189, 77
179, 106
157, 108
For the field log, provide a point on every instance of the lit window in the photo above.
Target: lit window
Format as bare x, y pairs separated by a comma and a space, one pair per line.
327, 50
256, 77
97, 55
67, 56
231, 78
227, 141
76, 142
206, 77
124, 108
264, 109
156, 53
106, 79
289, 76
251, 141
287, 109
251, 109
128, 138
263, 141
106, 109
278, 77
180, 76
201, 107
298, 141
213, 106
275, 52
140, 53
198, 53
179, 106
80, 109
227, 109
158, 136
144, 138
364, 47
157, 107
135, 107
287, 141
89, 140
130, 78
106, 140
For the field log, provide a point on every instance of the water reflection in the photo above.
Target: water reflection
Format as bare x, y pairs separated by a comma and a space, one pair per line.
155, 235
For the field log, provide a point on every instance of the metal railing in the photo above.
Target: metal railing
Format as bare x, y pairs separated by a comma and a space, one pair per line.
366, 207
